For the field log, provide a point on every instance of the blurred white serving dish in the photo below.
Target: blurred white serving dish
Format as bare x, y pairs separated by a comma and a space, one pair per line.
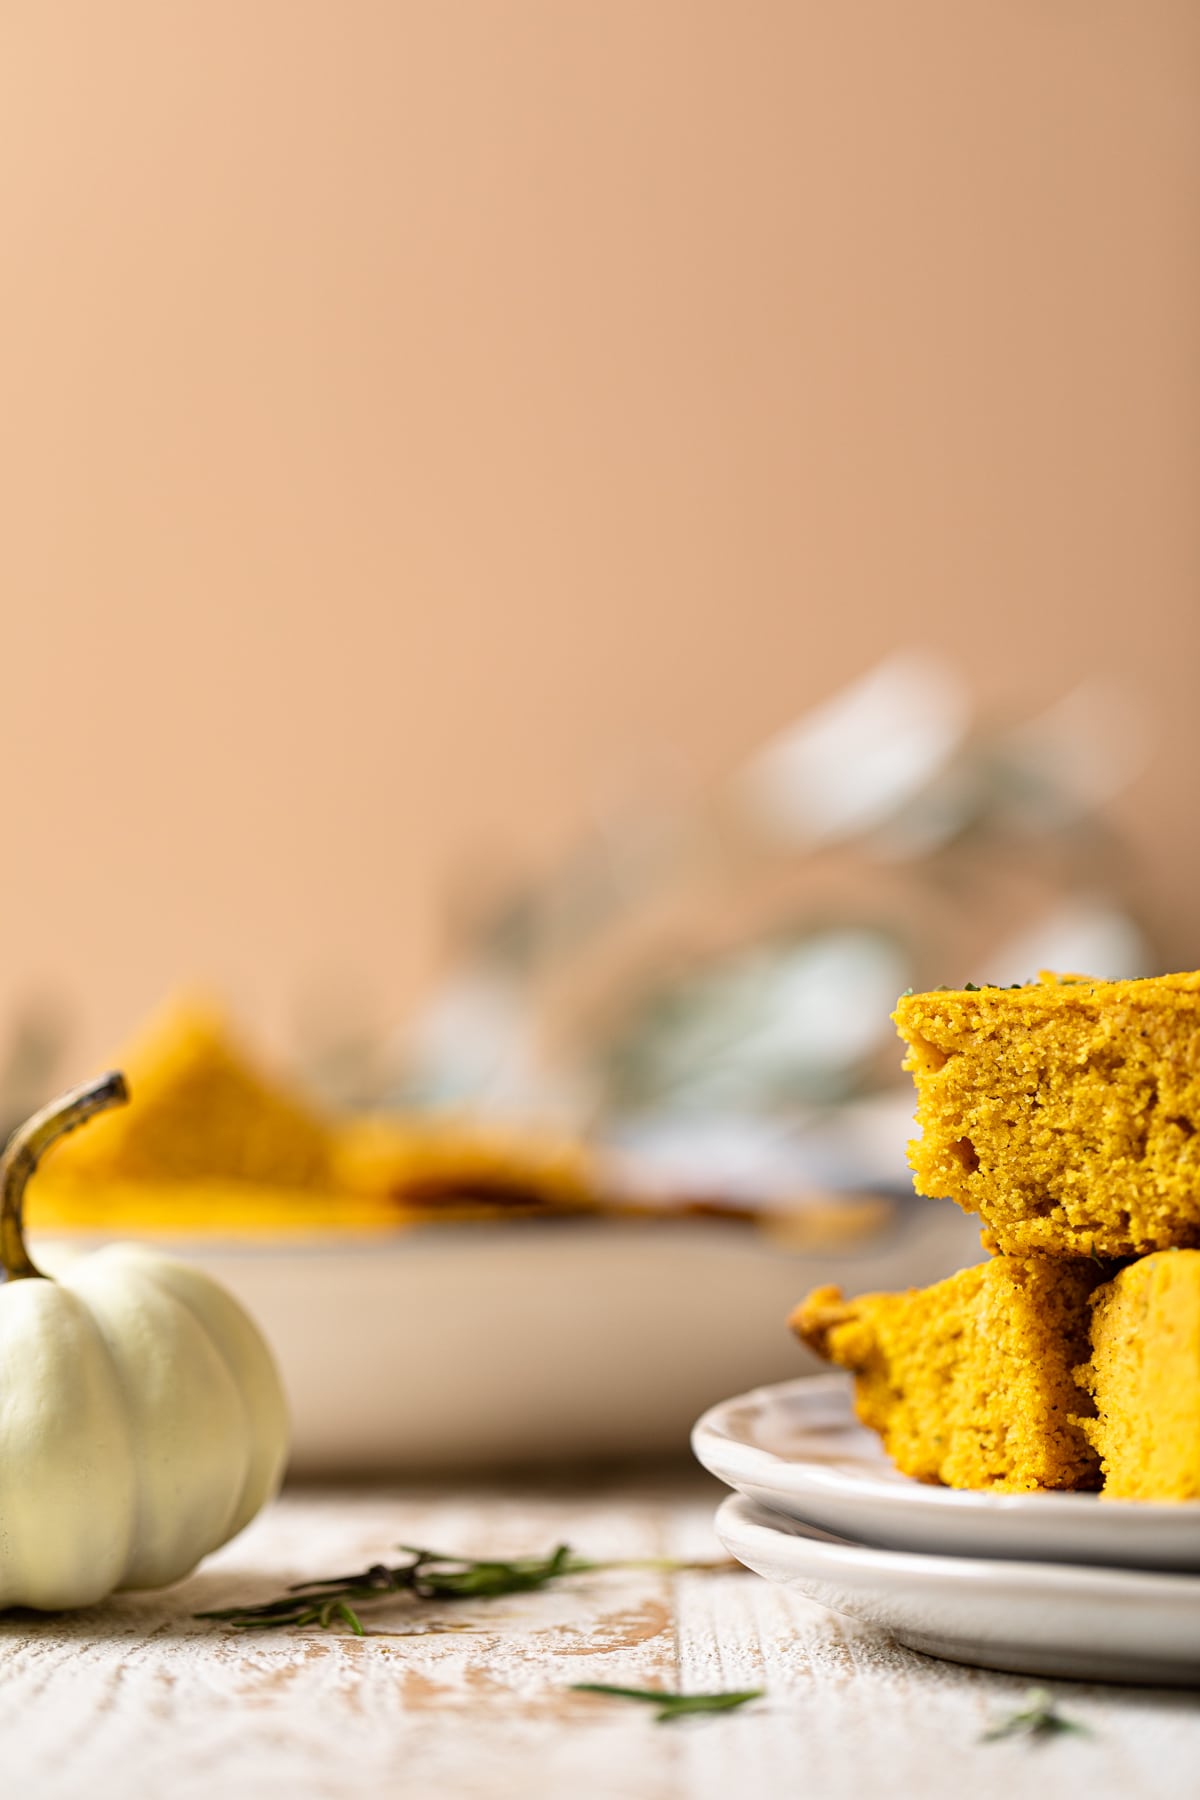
457, 1346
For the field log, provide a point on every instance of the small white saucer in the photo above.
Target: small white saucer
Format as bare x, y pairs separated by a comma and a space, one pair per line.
1026, 1618
798, 1449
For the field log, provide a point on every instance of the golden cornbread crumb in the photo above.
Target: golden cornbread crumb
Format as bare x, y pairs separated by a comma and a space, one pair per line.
199, 1109
1065, 1114
970, 1382
1144, 1377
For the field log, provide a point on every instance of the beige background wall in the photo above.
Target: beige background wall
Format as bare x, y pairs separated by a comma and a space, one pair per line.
415, 413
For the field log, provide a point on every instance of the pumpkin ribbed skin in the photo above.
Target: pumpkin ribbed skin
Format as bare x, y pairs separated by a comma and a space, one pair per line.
142, 1424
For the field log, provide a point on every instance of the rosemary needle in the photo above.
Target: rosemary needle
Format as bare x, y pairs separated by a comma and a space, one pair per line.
1038, 1718
671, 1706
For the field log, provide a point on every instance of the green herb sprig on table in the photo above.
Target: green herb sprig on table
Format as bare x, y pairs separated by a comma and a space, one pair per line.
428, 1575
1038, 1718
671, 1706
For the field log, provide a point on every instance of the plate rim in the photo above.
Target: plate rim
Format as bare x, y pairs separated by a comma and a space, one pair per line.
764, 1467
1056, 1579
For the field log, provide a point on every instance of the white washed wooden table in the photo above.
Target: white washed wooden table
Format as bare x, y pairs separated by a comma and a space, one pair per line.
138, 1699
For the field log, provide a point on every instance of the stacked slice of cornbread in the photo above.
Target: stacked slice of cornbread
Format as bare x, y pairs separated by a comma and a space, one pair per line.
1064, 1114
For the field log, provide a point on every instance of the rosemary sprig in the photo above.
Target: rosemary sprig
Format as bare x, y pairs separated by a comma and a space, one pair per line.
1038, 1718
671, 1706
428, 1575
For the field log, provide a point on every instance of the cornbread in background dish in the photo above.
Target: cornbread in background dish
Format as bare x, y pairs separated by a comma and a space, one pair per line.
1064, 1113
211, 1142
201, 1110
970, 1382
1144, 1377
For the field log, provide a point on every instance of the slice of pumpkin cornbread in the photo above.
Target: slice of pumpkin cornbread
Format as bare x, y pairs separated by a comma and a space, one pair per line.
455, 1167
199, 1109
1144, 1377
970, 1382
1063, 1113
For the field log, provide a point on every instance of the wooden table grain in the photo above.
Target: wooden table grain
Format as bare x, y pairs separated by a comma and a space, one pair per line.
137, 1698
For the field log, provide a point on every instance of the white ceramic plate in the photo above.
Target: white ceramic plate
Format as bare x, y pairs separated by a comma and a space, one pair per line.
798, 1449
476, 1345
1028, 1618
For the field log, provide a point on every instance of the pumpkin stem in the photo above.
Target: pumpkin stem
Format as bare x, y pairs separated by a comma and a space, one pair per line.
24, 1151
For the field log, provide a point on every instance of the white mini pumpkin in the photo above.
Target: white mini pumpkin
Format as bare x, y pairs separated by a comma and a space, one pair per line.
142, 1419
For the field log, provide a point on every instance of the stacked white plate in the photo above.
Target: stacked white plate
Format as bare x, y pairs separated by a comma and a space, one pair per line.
1040, 1584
